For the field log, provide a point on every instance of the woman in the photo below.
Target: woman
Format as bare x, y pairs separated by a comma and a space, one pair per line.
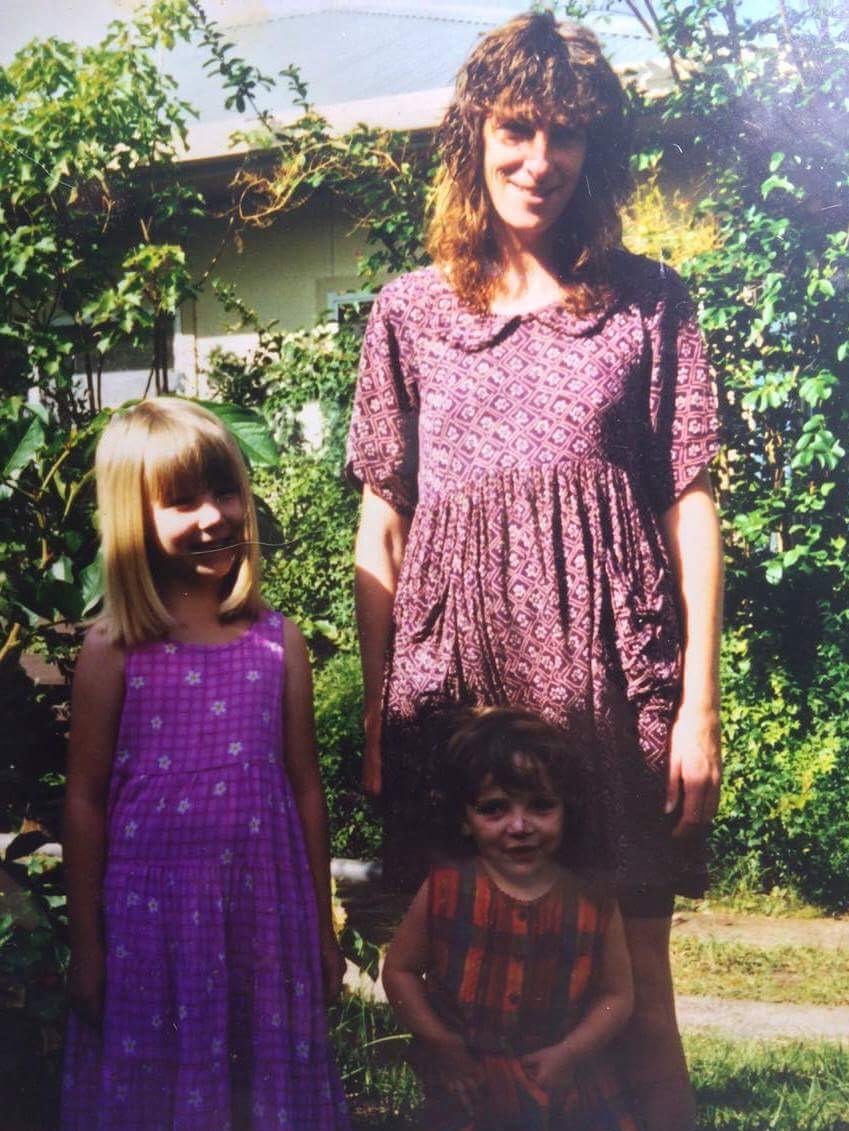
532, 427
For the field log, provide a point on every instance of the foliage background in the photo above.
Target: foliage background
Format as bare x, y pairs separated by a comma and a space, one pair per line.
94, 220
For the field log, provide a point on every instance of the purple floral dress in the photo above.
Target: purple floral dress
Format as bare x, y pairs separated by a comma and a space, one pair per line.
214, 1017
535, 454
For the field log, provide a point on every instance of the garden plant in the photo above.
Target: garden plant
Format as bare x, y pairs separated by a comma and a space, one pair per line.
94, 226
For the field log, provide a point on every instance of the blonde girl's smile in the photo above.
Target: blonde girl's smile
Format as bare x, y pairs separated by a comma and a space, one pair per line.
198, 531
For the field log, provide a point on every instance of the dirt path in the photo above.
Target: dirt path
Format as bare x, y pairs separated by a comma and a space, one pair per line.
761, 1020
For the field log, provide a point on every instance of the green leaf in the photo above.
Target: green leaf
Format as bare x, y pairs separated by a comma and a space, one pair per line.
250, 430
91, 584
26, 450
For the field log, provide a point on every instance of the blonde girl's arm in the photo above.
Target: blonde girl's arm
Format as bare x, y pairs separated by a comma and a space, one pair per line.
96, 700
403, 980
301, 760
378, 554
553, 1068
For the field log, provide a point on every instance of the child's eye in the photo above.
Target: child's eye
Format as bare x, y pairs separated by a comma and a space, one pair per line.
227, 492
490, 808
544, 804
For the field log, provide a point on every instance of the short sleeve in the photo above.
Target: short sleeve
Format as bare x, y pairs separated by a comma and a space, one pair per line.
383, 439
682, 400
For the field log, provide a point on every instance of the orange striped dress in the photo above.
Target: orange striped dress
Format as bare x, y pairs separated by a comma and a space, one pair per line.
513, 977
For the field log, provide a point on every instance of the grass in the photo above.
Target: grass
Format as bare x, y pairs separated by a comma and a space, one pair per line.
740, 1085
753, 1086
793, 974
742, 899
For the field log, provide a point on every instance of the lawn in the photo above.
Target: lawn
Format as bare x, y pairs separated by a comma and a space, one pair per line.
794, 974
741, 1085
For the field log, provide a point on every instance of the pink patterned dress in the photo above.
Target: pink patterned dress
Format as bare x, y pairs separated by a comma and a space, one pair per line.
214, 1018
535, 454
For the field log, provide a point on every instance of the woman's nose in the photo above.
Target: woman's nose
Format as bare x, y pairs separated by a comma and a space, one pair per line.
538, 156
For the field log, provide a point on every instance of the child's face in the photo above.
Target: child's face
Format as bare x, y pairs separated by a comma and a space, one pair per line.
198, 530
516, 833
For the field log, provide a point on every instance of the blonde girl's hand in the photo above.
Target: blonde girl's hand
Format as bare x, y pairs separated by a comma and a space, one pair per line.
551, 1069
460, 1074
86, 983
332, 968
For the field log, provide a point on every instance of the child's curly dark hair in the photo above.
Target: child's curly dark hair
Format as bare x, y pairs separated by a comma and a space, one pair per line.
516, 750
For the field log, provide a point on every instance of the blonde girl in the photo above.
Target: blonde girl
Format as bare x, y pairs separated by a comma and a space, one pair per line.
195, 825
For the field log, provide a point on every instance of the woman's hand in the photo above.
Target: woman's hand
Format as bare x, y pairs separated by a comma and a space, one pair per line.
695, 769
691, 532
552, 1069
86, 983
459, 1072
332, 968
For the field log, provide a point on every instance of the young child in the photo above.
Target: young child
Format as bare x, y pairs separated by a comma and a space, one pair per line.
512, 974
195, 825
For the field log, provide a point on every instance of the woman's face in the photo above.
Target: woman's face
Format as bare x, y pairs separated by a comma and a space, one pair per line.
530, 169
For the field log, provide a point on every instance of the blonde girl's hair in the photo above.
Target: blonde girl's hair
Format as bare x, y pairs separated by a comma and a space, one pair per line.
156, 450
537, 69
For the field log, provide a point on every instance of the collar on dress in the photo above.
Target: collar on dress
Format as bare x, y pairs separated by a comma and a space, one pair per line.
467, 330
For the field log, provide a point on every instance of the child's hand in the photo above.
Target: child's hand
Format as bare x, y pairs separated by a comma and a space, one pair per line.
460, 1073
332, 968
86, 981
552, 1069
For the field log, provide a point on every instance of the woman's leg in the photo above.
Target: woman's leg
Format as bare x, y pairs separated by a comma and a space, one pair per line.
652, 1056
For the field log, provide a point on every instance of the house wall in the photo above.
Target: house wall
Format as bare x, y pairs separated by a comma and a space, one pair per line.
283, 272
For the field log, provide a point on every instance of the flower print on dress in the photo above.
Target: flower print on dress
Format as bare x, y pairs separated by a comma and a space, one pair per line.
156, 722
184, 805
164, 762
252, 676
136, 681
193, 677
235, 748
219, 789
219, 707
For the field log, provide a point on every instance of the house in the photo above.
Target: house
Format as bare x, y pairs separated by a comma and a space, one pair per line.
384, 63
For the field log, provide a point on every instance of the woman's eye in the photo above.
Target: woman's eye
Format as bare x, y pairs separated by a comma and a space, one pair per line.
515, 131
565, 135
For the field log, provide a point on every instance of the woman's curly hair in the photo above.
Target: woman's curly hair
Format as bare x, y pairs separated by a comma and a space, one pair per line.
544, 71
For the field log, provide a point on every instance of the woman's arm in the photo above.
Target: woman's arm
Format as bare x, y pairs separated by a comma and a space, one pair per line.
301, 760
403, 971
691, 532
96, 701
378, 553
553, 1068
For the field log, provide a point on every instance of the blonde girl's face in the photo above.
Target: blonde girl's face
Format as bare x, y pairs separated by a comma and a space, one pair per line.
530, 169
517, 833
198, 530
